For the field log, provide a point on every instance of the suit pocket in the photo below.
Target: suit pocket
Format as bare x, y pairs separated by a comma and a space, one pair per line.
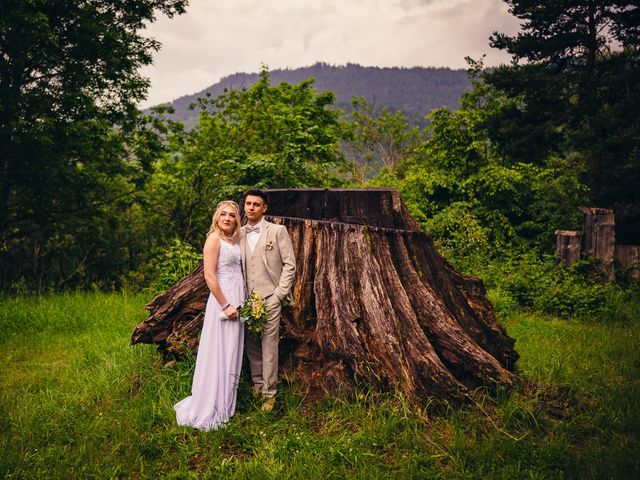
273, 304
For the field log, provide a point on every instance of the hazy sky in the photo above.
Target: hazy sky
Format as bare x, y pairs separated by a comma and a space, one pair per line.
216, 38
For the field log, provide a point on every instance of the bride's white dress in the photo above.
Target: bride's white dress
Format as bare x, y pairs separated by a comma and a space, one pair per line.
215, 380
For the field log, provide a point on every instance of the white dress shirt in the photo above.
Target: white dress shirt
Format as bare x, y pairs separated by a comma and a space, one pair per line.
252, 237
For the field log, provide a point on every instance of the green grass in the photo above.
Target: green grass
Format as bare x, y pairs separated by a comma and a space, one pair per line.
77, 401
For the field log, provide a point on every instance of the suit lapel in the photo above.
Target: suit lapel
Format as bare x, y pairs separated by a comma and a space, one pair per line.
262, 241
243, 247
266, 237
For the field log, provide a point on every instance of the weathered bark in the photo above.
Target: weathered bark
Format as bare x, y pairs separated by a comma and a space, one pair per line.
568, 246
370, 302
628, 256
376, 207
176, 316
599, 238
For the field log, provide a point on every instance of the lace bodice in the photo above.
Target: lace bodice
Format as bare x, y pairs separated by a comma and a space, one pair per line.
229, 263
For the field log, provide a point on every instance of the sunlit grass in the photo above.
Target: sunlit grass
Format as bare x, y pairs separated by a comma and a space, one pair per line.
77, 401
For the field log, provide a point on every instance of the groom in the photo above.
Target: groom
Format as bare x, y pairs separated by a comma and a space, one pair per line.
269, 266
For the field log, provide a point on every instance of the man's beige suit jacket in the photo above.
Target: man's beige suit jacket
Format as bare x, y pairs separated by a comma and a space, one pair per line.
276, 250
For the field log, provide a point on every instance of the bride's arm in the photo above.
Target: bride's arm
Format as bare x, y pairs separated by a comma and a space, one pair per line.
211, 252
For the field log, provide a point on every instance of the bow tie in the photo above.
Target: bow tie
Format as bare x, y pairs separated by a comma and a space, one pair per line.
253, 229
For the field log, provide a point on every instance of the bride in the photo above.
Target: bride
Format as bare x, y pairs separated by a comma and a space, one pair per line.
215, 380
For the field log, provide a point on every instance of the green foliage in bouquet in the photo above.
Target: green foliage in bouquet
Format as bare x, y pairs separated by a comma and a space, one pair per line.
254, 314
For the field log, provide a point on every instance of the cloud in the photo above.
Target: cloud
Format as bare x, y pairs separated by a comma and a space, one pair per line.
220, 37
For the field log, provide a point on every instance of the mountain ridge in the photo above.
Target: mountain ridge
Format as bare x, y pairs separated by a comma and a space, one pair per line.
414, 90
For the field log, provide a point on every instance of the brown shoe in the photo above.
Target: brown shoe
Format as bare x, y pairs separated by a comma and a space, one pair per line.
256, 391
269, 403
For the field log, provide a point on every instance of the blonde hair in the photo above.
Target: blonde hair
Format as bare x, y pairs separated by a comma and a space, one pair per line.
216, 216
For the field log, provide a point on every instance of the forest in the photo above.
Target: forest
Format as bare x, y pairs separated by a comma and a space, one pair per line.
99, 198
416, 91
97, 195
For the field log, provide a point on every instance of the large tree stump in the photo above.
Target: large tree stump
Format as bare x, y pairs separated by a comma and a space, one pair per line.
372, 300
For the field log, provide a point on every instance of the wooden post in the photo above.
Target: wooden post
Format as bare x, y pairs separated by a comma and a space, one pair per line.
599, 238
568, 246
628, 256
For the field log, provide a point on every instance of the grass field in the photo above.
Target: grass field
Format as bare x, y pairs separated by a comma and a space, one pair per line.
77, 401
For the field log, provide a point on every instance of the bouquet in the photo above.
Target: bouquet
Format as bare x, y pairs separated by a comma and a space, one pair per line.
253, 313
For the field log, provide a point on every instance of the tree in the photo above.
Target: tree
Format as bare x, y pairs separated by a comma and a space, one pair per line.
69, 72
574, 83
476, 201
264, 136
379, 140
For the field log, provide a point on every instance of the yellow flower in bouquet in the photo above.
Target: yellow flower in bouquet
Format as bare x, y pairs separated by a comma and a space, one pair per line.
254, 314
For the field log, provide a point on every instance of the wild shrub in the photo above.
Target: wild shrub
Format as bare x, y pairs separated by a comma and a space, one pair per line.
170, 265
537, 282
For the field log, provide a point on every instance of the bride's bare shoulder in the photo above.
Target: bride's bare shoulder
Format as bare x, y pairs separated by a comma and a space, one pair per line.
212, 243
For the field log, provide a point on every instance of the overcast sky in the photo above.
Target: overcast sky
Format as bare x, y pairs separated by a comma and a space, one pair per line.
216, 38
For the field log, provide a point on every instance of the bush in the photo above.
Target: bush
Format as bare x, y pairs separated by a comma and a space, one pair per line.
170, 265
539, 283
622, 304
460, 236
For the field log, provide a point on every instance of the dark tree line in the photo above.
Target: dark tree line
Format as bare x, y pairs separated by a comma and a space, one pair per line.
93, 193
415, 91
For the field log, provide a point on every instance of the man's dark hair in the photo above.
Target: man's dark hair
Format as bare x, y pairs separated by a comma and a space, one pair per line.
256, 193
